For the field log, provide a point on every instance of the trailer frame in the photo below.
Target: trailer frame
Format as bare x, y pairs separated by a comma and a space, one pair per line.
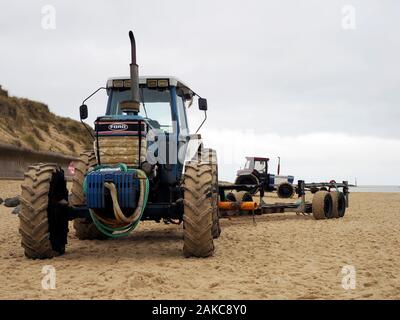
300, 207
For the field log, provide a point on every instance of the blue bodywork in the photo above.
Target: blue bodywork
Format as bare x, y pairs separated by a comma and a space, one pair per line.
126, 183
164, 192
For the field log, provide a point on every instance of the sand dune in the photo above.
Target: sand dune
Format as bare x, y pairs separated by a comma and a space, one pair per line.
280, 257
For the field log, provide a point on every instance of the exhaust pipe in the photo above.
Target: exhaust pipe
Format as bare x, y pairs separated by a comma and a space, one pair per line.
133, 106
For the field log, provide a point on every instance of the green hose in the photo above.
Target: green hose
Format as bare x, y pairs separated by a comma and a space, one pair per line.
125, 230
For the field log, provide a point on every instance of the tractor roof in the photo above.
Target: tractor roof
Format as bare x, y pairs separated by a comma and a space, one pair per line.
173, 81
257, 158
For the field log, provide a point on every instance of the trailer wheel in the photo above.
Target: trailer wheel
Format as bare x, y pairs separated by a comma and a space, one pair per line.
198, 210
322, 205
313, 190
230, 196
243, 196
43, 216
285, 190
338, 204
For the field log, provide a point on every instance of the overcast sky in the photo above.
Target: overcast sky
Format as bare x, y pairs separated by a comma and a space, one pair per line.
298, 79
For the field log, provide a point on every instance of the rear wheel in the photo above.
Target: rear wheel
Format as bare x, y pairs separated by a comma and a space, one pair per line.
85, 229
198, 210
249, 179
285, 190
210, 155
43, 216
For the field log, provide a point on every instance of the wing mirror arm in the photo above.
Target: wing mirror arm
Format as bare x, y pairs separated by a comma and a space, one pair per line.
202, 107
204, 120
83, 111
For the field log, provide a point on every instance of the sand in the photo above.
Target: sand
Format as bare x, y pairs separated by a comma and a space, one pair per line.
283, 256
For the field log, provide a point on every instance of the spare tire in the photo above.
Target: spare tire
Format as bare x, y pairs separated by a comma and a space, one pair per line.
285, 190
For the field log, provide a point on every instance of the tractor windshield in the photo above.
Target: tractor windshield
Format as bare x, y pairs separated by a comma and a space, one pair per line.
260, 165
155, 106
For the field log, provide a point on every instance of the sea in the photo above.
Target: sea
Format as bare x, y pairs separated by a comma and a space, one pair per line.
375, 189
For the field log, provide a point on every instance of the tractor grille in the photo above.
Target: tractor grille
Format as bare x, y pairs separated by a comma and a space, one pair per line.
121, 142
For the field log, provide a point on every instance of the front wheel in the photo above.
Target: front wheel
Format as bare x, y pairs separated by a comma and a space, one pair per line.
198, 210
43, 216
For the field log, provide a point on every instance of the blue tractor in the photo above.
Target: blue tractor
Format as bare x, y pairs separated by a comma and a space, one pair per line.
144, 166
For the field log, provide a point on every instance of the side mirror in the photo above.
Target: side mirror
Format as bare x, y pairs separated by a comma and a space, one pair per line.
202, 104
83, 112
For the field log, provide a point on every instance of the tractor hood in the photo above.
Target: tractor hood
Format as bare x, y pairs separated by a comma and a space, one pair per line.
244, 172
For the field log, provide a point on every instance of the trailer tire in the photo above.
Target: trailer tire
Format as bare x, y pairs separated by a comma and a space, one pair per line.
285, 190
43, 224
198, 210
338, 204
231, 197
243, 196
314, 190
322, 205
85, 229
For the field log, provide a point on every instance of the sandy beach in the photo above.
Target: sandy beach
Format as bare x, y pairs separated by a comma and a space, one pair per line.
282, 256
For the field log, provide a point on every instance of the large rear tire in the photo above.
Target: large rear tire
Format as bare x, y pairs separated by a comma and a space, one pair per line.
82, 165
43, 220
198, 210
85, 229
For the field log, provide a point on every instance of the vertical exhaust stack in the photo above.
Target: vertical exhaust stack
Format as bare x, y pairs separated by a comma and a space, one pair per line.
133, 106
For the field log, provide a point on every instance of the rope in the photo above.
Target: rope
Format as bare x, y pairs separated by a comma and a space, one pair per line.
121, 225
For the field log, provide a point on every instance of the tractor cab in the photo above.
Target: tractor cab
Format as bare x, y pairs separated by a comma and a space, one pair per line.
162, 102
257, 165
255, 172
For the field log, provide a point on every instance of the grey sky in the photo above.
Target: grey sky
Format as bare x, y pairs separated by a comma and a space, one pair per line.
286, 69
